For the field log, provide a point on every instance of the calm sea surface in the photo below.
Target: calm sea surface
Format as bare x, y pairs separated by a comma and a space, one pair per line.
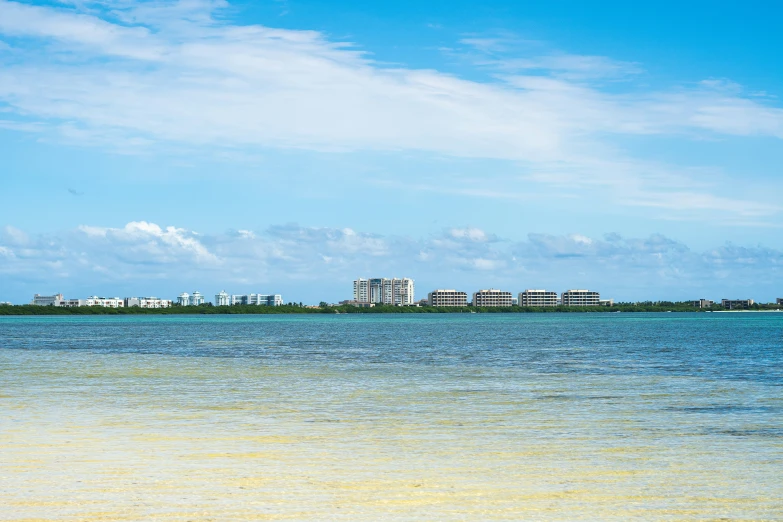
405, 417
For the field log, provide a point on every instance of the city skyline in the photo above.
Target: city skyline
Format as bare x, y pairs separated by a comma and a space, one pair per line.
155, 146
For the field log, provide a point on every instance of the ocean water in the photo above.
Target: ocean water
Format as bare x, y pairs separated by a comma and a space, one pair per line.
392, 417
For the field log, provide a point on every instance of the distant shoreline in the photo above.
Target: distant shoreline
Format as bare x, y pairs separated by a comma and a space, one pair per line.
347, 309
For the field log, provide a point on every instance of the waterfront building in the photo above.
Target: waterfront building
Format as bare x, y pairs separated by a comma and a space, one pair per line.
580, 298
447, 298
147, 302
533, 297
107, 302
48, 300
196, 299
733, 304
703, 303
491, 297
6, 303
380, 290
606, 302
780, 301
257, 300
222, 299
183, 299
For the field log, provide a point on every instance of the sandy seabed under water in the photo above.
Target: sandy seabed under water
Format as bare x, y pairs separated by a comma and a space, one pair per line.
92, 437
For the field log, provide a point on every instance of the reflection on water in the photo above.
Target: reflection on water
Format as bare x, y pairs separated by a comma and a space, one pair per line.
477, 417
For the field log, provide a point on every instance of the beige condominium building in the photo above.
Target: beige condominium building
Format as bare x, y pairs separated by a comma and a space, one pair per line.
580, 298
447, 298
492, 297
537, 298
733, 304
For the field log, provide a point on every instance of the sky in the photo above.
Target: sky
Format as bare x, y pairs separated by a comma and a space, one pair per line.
291, 146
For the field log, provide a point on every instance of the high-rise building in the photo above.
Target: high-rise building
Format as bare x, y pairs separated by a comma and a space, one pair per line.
580, 298
532, 297
780, 301
395, 291
491, 297
447, 298
222, 299
183, 299
703, 303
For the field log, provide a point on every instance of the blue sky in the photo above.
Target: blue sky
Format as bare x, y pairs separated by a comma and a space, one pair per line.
291, 146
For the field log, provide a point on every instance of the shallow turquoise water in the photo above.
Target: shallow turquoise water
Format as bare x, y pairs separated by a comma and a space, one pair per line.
418, 417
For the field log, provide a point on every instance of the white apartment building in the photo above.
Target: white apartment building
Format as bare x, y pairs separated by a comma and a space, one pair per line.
733, 304
532, 297
196, 299
394, 291
48, 300
257, 299
183, 299
222, 299
147, 302
492, 297
580, 298
447, 298
107, 302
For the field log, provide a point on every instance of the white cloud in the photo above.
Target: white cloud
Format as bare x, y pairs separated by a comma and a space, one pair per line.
141, 252
139, 77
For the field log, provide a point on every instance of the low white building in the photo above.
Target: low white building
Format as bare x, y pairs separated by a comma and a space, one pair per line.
147, 302
532, 297
107, 302
257, 299
222, 299
48, 300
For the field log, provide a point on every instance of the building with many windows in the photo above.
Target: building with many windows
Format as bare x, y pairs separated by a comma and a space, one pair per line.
48, 300
196, 299
532, 297
733, 304
183, 299
703, 303
447, 298
147, 302
779, 301
492, 297
394, 291
580, 298
222, 299
257, 300
107, 302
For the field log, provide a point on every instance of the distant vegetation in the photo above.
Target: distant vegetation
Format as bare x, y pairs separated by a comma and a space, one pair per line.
292, 308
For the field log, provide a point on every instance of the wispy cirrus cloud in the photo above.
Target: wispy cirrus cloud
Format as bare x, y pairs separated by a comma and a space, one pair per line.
139, 77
